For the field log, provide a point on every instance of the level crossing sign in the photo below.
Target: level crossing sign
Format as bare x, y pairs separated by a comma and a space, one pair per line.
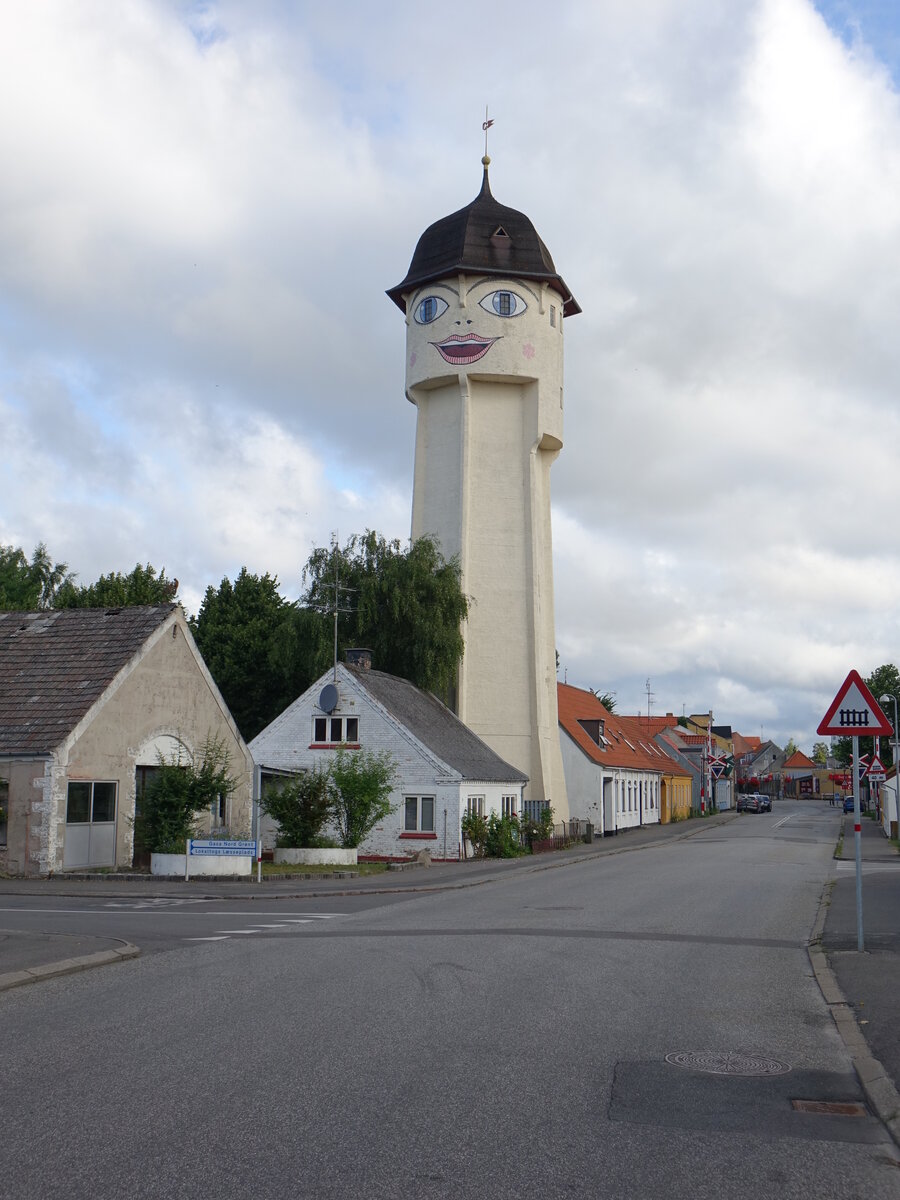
854, 712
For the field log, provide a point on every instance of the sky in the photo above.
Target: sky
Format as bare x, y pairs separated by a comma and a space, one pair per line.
202, 206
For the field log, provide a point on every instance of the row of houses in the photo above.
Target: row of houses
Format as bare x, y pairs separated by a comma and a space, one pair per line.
90, 700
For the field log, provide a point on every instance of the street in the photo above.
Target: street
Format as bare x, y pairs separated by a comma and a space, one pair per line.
527, 1036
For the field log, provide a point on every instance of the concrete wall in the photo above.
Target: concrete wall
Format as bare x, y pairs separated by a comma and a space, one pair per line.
487, 434
27, 825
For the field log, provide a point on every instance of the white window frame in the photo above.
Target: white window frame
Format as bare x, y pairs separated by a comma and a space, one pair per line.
344, 729
420, 803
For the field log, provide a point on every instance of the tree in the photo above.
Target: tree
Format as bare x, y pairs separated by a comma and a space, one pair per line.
405, 605
140, 586
261, 650
26, 584
178, 793
301, 806
790, 748
362, 781
820, 754
607, 699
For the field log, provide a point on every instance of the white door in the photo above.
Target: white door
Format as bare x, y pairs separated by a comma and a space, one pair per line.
90, 825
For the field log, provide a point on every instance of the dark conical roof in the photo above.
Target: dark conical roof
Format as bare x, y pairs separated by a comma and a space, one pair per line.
484, 238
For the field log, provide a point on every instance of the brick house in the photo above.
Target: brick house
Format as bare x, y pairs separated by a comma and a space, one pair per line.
443, 768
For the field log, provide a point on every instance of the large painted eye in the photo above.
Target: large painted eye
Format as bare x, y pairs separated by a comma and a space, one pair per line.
504, 304
429, 310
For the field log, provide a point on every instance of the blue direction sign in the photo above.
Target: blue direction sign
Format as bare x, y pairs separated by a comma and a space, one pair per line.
221, 846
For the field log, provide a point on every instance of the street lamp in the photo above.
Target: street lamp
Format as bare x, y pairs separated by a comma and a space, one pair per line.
896, 745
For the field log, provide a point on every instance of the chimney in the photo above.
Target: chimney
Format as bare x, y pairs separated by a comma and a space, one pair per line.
358, 657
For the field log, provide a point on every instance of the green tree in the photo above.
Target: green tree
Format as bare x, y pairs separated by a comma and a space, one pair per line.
820, 754
261, 650
607, 699
143, 585
301, 806
362, 781
179, 792
28, 584
404, 605
790, 748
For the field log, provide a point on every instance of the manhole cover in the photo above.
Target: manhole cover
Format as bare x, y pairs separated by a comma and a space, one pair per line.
714, 1062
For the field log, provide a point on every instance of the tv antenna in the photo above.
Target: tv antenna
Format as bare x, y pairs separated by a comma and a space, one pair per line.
335, 606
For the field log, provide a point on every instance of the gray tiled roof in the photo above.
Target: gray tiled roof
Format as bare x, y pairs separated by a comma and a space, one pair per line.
438, 728
54, 665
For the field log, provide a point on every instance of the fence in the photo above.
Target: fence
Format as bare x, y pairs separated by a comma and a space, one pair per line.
565, 834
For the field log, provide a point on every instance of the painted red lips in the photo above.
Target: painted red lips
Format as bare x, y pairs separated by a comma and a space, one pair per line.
463, 348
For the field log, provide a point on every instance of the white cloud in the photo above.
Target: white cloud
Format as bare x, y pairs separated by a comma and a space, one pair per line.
198, 365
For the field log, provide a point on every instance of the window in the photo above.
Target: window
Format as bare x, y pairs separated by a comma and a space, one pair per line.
4, 809
475, 806
552, 316
90, 803
418, 814
508, 805
331, 731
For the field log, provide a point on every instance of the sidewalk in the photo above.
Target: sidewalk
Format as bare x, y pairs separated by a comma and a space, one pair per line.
25, 958
864, 1002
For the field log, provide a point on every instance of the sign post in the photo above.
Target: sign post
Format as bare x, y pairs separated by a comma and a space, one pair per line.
854, 712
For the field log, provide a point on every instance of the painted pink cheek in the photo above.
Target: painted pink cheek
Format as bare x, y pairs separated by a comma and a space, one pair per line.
528, 350
412, 359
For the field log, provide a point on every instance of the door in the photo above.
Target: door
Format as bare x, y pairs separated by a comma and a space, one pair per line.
90, 825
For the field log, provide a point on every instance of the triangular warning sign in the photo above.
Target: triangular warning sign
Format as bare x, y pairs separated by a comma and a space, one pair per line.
875, 769
854, 711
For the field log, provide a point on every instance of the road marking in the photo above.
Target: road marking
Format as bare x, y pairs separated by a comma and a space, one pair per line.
783, 821
161, 912
217, 938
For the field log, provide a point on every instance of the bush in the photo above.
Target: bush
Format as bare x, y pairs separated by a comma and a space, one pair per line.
301, 806
540, 830
362, 781
475, 830
178, 794
503, 840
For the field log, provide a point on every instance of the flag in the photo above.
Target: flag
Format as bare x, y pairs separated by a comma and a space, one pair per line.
485, 125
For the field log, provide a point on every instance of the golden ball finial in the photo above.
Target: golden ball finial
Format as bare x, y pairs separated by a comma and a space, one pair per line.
486, 161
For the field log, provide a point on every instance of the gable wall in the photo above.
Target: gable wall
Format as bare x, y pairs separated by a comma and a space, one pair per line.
166, 694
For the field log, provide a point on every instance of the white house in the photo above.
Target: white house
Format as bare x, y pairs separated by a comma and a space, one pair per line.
443, 768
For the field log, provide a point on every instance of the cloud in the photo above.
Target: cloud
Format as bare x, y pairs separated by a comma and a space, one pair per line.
198, 365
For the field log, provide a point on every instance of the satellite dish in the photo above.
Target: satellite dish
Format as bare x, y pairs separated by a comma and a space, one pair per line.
328, 698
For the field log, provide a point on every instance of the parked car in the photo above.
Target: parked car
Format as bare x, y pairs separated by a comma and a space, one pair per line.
848, 804
751, 804
765, 803
742, 799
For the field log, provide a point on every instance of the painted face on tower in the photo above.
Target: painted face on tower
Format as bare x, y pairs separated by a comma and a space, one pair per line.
463, 329
468, 345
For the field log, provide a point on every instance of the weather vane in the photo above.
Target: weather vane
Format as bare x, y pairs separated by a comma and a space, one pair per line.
485, 125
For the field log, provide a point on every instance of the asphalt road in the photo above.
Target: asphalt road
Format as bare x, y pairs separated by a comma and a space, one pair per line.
504, 1040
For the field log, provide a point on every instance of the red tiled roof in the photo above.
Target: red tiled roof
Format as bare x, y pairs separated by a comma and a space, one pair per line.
798, 759
629, 746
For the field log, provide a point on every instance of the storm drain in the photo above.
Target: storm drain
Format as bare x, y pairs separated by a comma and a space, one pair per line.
831, 1108
714, 1062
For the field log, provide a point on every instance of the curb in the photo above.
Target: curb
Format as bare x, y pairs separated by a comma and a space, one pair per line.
67, 966
876, 1084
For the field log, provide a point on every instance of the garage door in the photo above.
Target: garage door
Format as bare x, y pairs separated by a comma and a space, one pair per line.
90, 825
